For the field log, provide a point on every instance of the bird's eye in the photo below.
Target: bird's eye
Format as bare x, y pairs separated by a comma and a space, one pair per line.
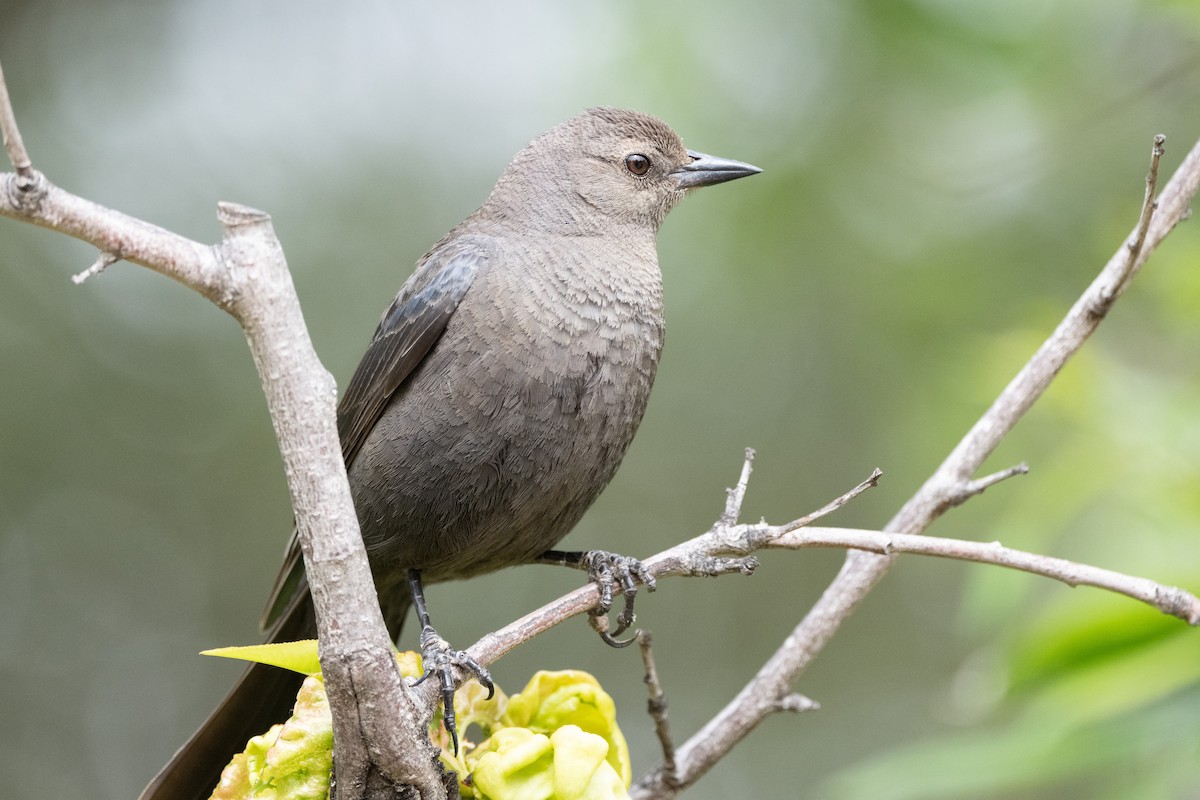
637, 164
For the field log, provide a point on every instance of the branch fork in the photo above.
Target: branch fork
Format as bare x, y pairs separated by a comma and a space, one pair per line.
246, 275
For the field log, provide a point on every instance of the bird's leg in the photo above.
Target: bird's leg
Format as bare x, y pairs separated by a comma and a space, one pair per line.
606, 570
438, 658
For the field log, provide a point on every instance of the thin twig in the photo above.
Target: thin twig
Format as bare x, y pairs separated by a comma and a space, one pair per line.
13, 143
827, 509
968, 489
103, 262
1149, 206
1167, 599
796, 703
657, 705
735, 496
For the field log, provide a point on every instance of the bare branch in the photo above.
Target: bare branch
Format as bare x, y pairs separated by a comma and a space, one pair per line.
702, 556
1167, 599
357, 648
103, 262
657, 704
861, 571
1149, 204
1035, 377
733, 503
13, 144
968, 489
699, 556
247, 276
871, 482
34, 199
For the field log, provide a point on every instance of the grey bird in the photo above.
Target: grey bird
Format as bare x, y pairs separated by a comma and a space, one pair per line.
498, 395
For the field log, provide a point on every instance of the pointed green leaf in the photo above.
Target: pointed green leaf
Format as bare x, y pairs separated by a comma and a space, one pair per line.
297, 656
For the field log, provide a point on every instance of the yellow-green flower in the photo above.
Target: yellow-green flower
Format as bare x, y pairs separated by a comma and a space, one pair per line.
290, 761
556, 740
569, 764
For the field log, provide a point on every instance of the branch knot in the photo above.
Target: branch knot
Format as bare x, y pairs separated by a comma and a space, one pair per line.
25, 191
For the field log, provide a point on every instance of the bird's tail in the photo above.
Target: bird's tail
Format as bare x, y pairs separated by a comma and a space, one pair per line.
262, 697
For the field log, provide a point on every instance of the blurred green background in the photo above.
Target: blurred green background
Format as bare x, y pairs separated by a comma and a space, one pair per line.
941, 180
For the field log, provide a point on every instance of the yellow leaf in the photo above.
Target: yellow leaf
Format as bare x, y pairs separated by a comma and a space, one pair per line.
297, 656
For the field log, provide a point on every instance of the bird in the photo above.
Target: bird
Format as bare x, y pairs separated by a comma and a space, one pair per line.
498, 394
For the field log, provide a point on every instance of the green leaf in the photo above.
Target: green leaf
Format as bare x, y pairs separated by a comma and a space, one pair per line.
302, 657
297, 656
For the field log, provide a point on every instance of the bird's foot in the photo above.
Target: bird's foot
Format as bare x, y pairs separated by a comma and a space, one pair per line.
439, 659
608, 570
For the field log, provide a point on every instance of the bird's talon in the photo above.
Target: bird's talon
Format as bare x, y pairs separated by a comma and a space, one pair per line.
645, 577
608, 570
440, 660
612, 641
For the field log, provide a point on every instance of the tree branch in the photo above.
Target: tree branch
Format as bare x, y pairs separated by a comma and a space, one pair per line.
247, 276
763, 695
13, 144
656, 705
705, 556
861, 571
1167, 599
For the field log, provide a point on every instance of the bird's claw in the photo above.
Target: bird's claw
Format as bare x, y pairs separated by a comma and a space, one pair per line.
439, 659
600, 625
607, 570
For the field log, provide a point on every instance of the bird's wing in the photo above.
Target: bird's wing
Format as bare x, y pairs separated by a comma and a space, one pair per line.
409, 329
407, 332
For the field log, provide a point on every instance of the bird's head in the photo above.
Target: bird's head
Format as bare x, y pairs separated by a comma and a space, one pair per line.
606, 169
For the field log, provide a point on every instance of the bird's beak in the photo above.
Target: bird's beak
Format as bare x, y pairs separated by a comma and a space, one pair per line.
705, 170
